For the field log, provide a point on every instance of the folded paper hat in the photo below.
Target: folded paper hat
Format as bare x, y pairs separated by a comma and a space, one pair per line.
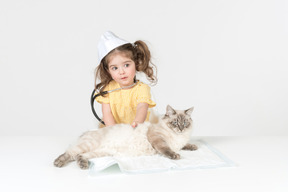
107, 43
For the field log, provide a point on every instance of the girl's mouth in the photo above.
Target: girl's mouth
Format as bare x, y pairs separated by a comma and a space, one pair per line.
123, 78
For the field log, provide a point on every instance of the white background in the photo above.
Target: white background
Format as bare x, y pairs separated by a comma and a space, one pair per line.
227, 58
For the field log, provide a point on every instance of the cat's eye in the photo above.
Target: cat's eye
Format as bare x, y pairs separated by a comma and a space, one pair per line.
186, 123
174, 123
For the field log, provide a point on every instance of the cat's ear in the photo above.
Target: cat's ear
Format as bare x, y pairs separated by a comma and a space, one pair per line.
189, 111
170, 111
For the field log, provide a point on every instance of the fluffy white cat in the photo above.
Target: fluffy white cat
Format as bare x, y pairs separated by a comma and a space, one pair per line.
167, 137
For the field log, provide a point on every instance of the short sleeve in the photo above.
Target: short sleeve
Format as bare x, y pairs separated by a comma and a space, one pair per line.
144, 95
103, 99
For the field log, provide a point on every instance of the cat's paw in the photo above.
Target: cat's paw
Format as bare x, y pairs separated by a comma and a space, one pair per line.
82, 162
190, 147
58, 163
174, 156
61, 160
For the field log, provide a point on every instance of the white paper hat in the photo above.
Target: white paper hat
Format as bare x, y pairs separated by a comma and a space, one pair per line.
107, 43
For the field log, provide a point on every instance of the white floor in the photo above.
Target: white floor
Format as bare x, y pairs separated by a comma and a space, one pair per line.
262, 165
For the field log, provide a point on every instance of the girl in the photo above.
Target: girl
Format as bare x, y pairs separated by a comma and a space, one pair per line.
119, 61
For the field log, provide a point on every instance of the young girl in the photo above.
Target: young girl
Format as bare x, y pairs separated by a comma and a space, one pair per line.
119, 61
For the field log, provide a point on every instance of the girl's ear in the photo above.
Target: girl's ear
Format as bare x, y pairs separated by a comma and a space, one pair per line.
189, 111
170, 111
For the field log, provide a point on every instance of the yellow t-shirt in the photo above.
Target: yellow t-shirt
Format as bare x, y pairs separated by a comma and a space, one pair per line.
123, 103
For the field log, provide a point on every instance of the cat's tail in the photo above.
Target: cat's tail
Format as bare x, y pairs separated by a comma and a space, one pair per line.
154, 116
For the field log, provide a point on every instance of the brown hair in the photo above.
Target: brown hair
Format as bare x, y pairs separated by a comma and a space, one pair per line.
138, 52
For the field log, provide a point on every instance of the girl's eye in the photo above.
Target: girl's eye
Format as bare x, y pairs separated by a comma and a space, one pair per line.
114, 68
126, 65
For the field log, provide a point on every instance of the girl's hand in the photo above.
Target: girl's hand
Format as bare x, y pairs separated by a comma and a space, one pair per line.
141, 114
134, 124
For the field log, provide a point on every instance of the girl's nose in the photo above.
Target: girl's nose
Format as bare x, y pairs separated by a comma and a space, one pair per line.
121, 70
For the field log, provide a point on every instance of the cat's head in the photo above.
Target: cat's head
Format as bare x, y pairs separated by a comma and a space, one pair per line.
178, 120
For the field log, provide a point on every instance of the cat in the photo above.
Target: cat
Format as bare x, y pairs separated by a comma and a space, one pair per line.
167, 137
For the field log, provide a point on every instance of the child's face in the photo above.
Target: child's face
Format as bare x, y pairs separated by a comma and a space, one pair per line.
122, 69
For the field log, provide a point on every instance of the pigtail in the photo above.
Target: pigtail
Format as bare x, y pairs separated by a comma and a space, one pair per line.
102, 73
143, 62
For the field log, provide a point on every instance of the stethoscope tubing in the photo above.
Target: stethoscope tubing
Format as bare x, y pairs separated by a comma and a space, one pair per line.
93, 97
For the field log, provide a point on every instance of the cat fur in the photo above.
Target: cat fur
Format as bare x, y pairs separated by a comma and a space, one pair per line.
167, 137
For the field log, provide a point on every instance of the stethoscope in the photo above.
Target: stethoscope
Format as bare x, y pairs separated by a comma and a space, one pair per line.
93, 97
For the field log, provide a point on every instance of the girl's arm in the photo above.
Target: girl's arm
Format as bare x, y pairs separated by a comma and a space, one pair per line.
141, 114
107, 114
